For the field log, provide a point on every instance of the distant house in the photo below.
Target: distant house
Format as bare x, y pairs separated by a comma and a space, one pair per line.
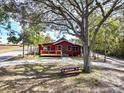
61, 47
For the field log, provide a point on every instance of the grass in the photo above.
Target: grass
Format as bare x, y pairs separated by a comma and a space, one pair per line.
31, 57
27, 57
46, 78
97, 59
37, 57
77, 57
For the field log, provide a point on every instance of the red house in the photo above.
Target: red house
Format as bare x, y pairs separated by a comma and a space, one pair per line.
61, 47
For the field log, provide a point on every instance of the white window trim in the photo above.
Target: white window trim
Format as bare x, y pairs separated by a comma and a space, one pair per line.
46, 47
58, 46
70, 47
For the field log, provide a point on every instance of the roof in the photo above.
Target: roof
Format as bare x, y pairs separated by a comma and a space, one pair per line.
59, 41
47, 44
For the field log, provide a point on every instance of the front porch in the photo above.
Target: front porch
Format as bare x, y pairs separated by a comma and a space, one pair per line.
51, 53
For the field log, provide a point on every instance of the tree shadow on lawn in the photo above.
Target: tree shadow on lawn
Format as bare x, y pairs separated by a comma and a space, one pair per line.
27, 73
94, 85
45, 78
37, 70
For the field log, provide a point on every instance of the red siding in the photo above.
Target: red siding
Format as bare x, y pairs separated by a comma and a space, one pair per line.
64, 43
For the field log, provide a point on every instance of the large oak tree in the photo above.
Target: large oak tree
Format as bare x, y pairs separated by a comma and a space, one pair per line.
75, 16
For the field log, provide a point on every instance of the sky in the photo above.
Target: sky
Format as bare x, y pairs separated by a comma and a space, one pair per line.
3, 33
16, 27
56, 34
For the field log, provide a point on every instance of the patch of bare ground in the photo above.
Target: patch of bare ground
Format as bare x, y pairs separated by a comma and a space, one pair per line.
7, 48
29, 57
46, 78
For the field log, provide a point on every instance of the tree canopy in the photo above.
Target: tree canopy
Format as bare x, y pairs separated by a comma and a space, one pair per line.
71, 15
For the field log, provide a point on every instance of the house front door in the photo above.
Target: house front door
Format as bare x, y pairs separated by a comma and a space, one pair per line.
64, 49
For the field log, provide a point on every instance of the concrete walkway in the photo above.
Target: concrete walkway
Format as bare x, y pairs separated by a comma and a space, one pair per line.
7, 55
113, 60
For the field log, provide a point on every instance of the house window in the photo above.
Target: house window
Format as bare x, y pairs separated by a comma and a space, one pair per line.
75, 48
69, 47
59, 47
46, 48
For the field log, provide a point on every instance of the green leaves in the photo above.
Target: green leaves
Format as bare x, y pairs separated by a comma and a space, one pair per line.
13, 38
33, 35
109, 37
3, 16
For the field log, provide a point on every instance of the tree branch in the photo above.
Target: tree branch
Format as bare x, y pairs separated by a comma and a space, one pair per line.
101, 22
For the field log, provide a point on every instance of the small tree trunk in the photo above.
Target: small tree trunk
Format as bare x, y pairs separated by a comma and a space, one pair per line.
28, 50
105, 48
31, 49
105, 58
34, 50
105, 54
23, 50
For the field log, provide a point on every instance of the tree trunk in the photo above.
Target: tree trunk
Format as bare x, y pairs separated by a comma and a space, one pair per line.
105, 58
28, 50
31, 49
105, 47
85, 40
86, 68
105, 54
23, 50
34, 50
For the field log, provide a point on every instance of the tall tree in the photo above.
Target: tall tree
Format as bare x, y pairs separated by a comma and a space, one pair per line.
74, 15
33, 36
20, 11
107, 38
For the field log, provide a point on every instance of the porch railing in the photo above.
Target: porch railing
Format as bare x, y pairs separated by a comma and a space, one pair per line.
51, 52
